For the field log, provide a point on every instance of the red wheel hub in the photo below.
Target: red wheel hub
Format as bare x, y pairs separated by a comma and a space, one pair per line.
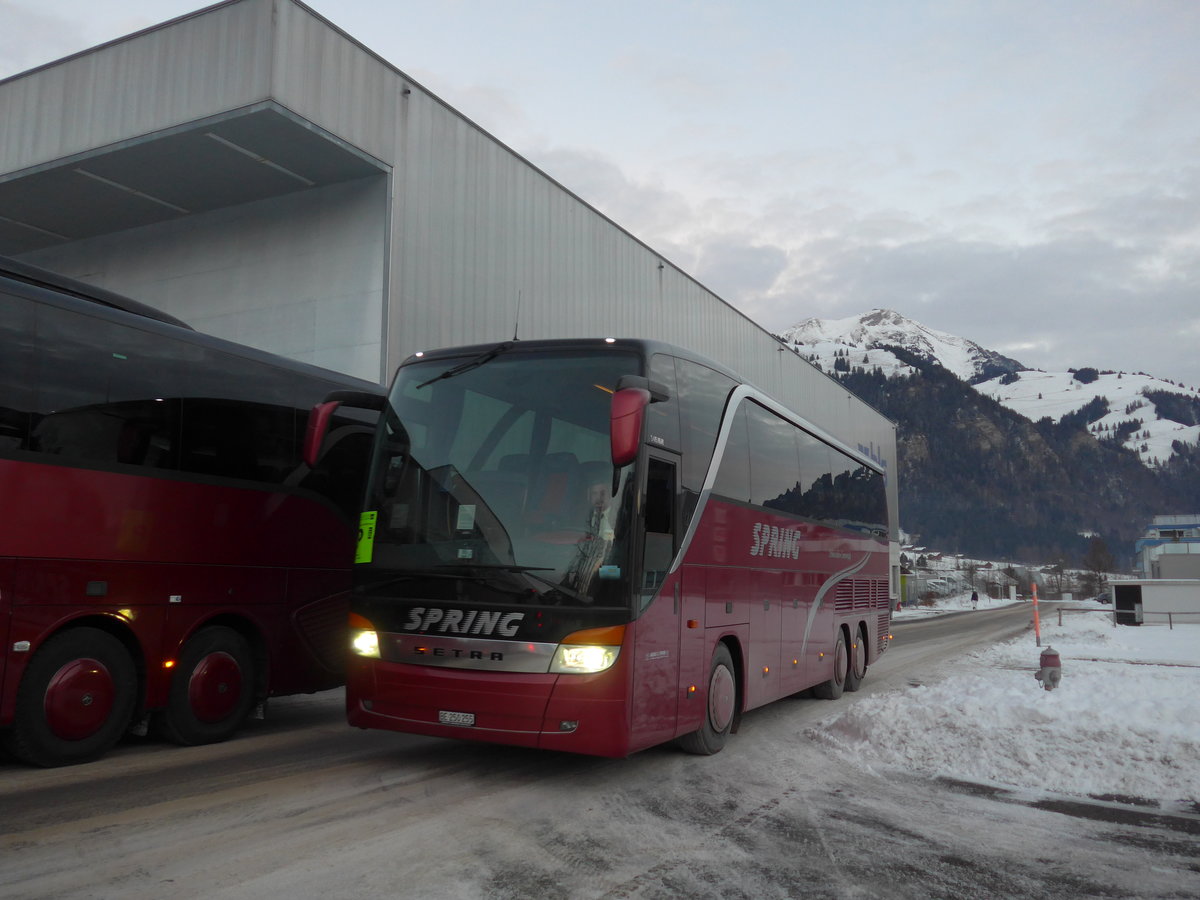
79, 699
722, 698
215, 687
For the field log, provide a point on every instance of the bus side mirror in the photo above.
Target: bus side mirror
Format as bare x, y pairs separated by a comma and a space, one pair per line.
625, 424
318, 427
321, 415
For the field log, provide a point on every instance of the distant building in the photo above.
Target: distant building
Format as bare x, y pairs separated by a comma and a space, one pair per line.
1170, 548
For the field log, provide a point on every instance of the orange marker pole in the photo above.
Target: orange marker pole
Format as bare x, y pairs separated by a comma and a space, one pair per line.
1037, 623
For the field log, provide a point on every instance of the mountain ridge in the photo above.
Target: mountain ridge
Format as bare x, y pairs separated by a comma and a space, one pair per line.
978, 476
1131, 408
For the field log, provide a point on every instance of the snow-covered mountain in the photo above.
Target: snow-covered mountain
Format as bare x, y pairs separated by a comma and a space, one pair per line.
1137, 414
824, 340
1144, 413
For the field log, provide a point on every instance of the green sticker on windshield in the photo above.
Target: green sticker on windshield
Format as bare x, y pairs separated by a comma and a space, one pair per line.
366, 536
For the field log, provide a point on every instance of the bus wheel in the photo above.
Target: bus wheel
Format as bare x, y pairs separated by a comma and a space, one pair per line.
721, 707
212, 689
832, 689
75, 701
858, 662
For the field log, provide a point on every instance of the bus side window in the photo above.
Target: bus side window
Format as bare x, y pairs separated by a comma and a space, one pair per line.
659, 517
16, 372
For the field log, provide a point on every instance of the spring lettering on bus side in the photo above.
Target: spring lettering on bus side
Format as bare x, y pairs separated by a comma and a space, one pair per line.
776, 542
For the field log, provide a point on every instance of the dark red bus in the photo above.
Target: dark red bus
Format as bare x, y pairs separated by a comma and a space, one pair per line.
166, 559
602, 545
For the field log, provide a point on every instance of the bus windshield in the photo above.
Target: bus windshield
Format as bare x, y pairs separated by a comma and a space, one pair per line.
497, 468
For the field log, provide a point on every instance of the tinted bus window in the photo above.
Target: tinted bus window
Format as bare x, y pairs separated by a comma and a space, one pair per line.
702, 396
816, 478
774, 463
860, 495
662, 419
16, 378
93, 402
733, 475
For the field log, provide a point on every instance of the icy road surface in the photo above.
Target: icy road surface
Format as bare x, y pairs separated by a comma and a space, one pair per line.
303, 806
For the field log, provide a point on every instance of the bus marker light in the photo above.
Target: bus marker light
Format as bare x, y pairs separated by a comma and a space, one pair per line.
691, 690
795, 662
693, 623
168, 663
21, 647
766, 671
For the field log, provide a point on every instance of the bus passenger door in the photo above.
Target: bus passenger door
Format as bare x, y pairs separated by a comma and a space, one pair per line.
654, 704
763, 672
795, 602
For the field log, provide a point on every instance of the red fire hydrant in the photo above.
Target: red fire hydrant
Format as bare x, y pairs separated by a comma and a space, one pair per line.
1050, 673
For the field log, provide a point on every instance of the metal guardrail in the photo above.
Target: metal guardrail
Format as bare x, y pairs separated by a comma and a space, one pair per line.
1183, 616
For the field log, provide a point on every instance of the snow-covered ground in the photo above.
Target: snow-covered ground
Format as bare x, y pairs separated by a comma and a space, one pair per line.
1124, 722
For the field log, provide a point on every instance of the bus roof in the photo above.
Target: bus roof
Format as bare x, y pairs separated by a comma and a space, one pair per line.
641, 345
39, 277
69, 290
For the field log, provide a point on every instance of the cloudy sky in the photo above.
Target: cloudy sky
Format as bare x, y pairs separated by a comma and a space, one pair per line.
1023, 173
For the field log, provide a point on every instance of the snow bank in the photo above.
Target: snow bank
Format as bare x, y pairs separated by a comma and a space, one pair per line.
1125, 720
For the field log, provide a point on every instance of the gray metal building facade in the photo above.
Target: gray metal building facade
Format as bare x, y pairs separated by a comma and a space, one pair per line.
258, 173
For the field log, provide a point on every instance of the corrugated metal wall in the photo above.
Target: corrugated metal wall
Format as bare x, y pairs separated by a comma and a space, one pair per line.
199, 66
472, 231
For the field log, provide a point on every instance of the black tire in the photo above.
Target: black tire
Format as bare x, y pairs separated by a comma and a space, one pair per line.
720, 707
212, 689
832, 689
857, 669
75, 700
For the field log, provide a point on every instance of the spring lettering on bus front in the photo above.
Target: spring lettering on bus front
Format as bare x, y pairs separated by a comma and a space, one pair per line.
775, 542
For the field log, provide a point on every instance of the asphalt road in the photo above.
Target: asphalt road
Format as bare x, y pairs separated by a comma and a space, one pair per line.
302, 806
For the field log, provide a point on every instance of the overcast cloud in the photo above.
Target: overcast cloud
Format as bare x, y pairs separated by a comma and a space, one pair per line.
1025, 174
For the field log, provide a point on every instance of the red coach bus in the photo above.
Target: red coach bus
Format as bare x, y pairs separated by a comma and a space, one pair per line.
602, 545
165, 557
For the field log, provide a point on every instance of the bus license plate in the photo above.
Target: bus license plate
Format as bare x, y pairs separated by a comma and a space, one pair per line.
446, 717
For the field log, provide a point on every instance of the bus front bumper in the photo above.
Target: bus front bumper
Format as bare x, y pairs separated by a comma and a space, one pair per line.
573, 713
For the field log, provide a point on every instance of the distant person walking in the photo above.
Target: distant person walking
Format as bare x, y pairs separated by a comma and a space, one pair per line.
974, 599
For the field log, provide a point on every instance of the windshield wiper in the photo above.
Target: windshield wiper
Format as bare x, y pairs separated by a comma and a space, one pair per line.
470, 364
505, 567
520, 570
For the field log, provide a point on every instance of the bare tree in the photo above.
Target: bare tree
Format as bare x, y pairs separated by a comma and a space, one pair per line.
1098, 561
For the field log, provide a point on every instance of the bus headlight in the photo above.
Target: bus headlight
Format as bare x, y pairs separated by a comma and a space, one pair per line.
588, 652
583, 660
364, 639
365, 643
